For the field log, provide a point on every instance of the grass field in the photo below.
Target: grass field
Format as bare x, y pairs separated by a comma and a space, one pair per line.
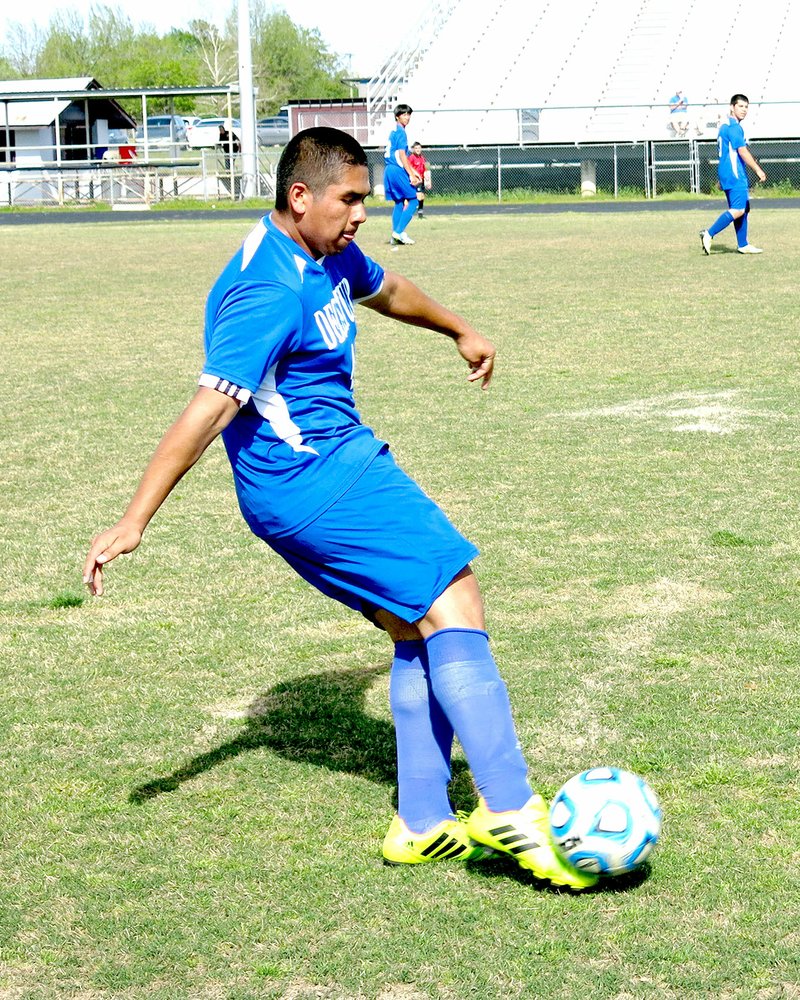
198, 768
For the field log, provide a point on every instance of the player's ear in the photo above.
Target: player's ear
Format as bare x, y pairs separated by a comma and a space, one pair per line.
300, 198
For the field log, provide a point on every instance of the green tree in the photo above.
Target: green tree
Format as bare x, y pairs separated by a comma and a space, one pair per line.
23, 45
217, 63
216, 52
66, 50
290, 62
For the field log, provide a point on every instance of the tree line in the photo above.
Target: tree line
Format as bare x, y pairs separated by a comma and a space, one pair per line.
289, 62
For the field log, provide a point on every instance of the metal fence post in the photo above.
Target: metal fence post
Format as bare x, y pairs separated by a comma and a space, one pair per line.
499, 175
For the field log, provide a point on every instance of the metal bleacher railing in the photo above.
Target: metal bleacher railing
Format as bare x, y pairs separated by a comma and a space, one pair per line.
203, 175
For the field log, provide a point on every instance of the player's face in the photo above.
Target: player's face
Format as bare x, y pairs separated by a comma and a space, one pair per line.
739, 110
331, 219
404, 119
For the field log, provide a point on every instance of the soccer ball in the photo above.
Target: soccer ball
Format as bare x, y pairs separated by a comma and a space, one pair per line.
606, 820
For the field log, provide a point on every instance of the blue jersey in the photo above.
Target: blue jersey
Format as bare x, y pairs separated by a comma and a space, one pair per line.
398, 141
731, 168
280, 337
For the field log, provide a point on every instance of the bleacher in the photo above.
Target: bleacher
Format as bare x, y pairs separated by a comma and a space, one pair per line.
588, 72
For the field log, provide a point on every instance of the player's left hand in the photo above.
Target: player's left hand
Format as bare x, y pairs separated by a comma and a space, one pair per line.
479, 353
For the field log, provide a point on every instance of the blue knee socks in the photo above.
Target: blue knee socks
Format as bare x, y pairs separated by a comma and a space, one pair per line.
722, 223
397, 215
740, 225
401, 220
424, 741
465, 681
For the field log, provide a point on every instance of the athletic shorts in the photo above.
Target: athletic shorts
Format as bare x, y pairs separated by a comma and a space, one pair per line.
397, 185
383, 544
738, 197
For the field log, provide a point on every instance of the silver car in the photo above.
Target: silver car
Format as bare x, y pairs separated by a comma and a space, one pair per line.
162, 130
273, 131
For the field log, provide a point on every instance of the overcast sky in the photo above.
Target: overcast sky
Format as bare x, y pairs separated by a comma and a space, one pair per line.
347, 26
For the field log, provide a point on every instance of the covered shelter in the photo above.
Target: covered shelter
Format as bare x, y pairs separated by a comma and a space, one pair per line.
53, 121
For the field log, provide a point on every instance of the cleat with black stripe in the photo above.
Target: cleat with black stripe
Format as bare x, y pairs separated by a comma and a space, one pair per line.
447, 841
525, 835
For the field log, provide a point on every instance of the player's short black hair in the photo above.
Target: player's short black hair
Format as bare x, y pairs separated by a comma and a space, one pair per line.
739, 97
403, 109
316, 157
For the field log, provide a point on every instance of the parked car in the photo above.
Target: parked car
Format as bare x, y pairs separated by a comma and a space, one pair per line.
206, 131
120, 137
273, 131
163, 130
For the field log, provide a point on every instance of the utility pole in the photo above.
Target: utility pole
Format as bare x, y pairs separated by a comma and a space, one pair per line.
247, 110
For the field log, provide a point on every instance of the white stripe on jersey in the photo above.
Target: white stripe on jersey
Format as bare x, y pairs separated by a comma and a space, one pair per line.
733, 156
252, 242
272, 407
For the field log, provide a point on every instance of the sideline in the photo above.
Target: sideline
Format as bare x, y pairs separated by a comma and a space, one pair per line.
700, 204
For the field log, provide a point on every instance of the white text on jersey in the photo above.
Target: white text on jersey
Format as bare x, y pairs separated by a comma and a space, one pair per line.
333, 321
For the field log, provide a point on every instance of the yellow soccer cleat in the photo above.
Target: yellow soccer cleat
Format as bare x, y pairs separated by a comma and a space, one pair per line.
447, 841
525, 835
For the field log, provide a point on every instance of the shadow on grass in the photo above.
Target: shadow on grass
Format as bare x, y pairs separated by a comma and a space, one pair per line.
507, 868
317, 719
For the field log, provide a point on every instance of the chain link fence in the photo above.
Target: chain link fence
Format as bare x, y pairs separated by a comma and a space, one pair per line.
643, 170
502, 172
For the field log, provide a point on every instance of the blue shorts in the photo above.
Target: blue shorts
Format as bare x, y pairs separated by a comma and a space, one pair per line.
383, 544
738, 197
397, 185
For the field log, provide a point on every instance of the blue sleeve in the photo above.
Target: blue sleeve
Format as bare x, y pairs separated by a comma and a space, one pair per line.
249, 329
370, 277
736, 136
398, 142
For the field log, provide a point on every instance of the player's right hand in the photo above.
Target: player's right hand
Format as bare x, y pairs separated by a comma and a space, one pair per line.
106, 546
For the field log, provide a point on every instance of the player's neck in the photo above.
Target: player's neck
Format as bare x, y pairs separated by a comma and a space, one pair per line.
284, 222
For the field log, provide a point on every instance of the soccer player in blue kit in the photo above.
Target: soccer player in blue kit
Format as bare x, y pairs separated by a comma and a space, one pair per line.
322, 491
400, 179
734, 158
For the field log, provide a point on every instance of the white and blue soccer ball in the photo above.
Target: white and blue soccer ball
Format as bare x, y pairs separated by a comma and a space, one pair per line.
606, 820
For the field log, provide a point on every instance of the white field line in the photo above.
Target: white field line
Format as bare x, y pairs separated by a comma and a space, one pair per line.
706, 412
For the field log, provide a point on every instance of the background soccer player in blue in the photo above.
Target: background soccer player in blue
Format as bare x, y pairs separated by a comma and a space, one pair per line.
400, 179
322, 491
734, 158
